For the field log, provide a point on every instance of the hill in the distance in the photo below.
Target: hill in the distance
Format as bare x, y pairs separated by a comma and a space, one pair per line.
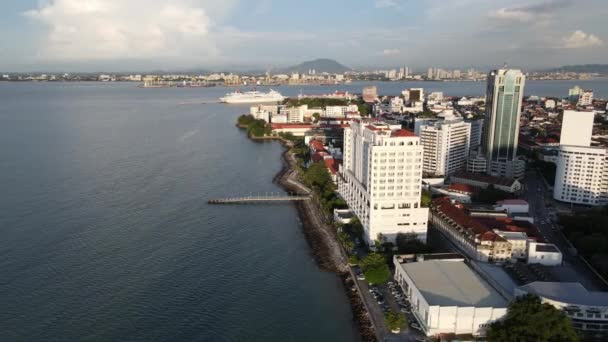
319, 65
585, 68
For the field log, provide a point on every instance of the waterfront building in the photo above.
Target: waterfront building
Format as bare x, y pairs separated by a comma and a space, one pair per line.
415, 95
574, 93
446, 145
588, 310
582, 171
585, 98
381, 179
435, 96
447, 296
339, 111
504, 95
370, 94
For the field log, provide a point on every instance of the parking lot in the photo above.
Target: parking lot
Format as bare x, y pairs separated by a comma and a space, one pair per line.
379, 299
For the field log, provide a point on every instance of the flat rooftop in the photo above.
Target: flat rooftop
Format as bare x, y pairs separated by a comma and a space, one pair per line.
571, 293
452, 283
548, 248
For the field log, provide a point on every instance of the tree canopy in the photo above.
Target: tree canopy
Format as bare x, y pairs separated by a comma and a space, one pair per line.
317, 176
394, 320
408, 243
255, 128
375, 268
528, 319
315, 102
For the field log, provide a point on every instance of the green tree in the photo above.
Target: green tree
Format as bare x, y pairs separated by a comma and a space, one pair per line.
317, 176
245, 120
363, 109
425, 199
394, 320
408, 243
528, 319
375, 268
317, 116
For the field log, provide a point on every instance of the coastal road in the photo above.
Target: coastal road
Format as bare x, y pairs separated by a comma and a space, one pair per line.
543, 210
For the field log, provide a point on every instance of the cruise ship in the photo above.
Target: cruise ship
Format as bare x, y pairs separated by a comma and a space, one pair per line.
252, 97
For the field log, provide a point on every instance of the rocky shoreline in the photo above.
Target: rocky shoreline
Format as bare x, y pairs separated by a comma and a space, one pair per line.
324, 245
321, 237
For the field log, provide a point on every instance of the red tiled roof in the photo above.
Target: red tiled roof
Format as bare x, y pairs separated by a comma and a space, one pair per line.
316, 145
402, 133
445, 205
287, 126
463, 188
331, 164
318, 156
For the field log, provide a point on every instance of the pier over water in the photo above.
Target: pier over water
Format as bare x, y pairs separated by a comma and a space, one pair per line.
268, 198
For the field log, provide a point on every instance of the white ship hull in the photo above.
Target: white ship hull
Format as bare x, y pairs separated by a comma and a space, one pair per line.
252, 97
251, 100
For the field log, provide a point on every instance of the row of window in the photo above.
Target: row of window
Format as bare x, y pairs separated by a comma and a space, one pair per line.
394, 154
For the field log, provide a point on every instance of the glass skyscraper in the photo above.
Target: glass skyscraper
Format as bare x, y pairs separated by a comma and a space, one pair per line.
504, 97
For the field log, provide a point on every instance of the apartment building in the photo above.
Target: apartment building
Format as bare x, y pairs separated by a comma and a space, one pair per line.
446, 146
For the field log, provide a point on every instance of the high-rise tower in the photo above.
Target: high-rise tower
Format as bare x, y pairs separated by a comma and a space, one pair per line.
504, 96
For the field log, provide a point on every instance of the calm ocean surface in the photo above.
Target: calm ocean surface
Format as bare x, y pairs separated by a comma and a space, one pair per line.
105, 233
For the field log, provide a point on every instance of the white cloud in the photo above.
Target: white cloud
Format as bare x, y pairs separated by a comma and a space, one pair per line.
537, 13
579, 39
391, 52
385, 3
116, 29
511, 14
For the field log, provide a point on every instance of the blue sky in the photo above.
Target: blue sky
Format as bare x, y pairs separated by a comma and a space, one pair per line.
79, 35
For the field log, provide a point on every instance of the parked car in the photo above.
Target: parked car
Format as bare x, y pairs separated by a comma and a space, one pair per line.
415, 326
405, 310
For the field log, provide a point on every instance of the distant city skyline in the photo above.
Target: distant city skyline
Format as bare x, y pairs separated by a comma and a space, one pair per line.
140, 35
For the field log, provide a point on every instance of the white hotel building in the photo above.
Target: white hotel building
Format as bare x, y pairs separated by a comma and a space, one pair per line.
582, 171
381, 179
446, 145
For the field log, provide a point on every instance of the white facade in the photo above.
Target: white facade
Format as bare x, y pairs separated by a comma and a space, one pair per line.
585, 98
446, 146
518, 241
339, 111
577, 128
446, 297
293, 114
588, 310
582, 175
544, 253
381, 179
476, 133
